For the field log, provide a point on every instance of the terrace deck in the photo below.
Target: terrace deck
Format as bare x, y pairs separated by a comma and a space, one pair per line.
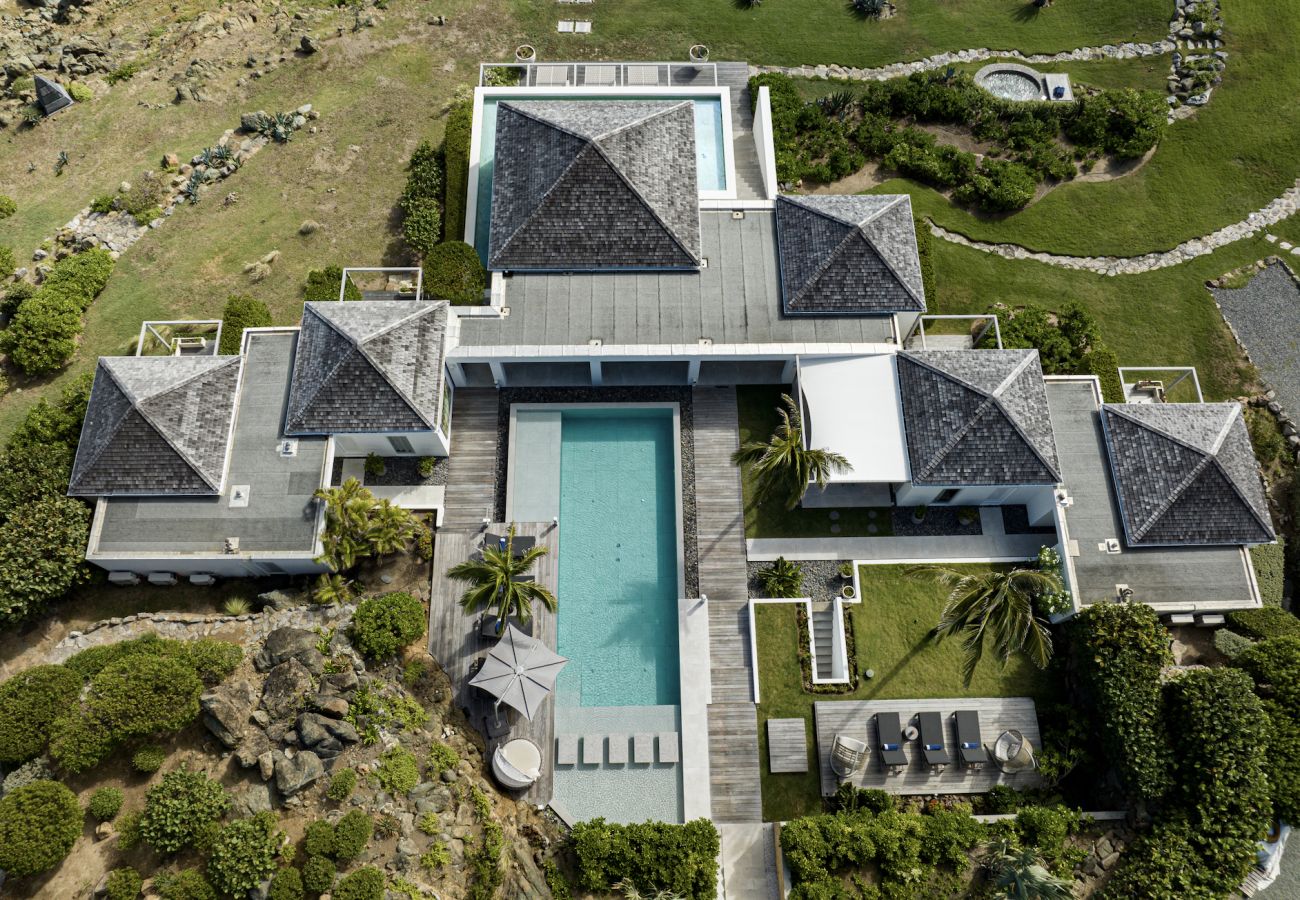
855, 718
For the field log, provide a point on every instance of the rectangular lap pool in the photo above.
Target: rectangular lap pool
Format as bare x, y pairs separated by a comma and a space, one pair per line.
610, 474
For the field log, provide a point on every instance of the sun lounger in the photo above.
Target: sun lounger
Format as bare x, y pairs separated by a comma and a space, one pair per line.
552, 75
582, 27
642, 74
669, 752
564, 26
606, 76
593, 750
566, 750
643, 748
618, 749
889, 742
847, 756
970, 745
933, 745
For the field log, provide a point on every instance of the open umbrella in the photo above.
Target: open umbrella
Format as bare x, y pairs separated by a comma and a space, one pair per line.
519, 671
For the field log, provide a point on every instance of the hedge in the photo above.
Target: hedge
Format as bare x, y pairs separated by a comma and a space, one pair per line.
455, 154
925, 252
1274, 666
1269, 562
323, 284
29, 703
1264, 623
383, 625
453, 271
653, 856
421, 200
39, 823
242, 311
43, 334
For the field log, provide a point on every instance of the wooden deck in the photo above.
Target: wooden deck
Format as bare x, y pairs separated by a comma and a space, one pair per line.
855, 718
472, 464
720, 538
787, 745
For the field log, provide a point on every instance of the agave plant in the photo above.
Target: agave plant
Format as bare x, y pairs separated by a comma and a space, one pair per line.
236, 606
782, 579
1019, 874
190, 191
837, 104
868, 9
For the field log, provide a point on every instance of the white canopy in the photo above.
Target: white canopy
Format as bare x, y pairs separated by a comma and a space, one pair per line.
853, 408
519, 671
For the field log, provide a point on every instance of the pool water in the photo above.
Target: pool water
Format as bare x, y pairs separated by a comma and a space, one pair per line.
710, 160
1012, 86
618, 576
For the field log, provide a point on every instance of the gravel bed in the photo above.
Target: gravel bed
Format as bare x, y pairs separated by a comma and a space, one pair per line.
938, 521
679, 395
821, 579
399, 471
1015, 520
1265, 314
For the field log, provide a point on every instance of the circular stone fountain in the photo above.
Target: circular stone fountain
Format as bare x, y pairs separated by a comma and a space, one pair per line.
1012, 82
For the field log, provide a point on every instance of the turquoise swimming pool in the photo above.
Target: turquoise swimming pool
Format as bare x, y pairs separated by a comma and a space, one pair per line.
618, 576
711, 164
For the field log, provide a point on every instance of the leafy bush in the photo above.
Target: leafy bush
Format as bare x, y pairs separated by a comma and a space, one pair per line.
79, 92
187, 884
39, 823
455, 154
242, 311
244, 854
352, 834
178, 807
366, 883
128, 830
1229, 643
15, 295
141, 202
286, 884
43, 333
383, 625
342, 784
29, 703
105, 803
8, 264
782, 579
453, 271
124, 884
1159, 863
148, 759
104, 203
211, 660
1263, 623
1274, 666
79, 277
1124, 122
318, 839
7, 206
1000, 185
442, 758
1120, 650
421, 200
318, 874
123, 72
398, 771
653, 856
323, 284
42, 554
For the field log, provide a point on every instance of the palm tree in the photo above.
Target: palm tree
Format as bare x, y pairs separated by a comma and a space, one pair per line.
495, 580
996, 604
1020, 875
331, 589
782, 467
357, 525
390, 528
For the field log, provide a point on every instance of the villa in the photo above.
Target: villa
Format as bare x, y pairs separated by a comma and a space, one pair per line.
643, 264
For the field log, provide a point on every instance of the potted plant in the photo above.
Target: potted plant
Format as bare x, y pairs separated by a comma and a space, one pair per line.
967, 514
525, 53
699, 53
846, 571
918, 514
848, 592
375, 466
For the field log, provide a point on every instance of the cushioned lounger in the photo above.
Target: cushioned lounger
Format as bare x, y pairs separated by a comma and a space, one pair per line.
889, 741
933, 744
970, 745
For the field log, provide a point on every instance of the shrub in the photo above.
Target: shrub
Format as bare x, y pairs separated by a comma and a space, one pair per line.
79, 92
244, 854
453, 271
17, 293
179, 806
442, 758
1120, 651
105, 803
7, 206
352, 834
187, 884
318, 839
104, 203
211, 660
1124, 122
39, 823
1103, 363
128, 830
436, 857
999, 186
1229, 643
375, 465
383, 625
421, 200
42, 553
149, 759
8, 264
366, 883
242, 311
29, 703
286, 884
123, 884
323, 284
782, 579
1274, 665
342, 784
1263, 623
318, 874
653, 856
43, 333
79, 277
1160, 863
455, 154
141, 202
398, 771
123, 73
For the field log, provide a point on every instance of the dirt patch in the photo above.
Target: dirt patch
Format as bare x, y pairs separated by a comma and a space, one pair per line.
864, 179
961, 138
1108, 168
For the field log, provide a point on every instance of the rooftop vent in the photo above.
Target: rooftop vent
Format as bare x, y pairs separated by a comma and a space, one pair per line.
595, 342
704, 262
288, 448
1112, 545
706, 342
1123, 593
231, 546
738, 214
239, 496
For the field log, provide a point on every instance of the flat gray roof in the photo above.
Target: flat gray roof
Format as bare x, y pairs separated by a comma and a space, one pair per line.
1184, 577
280, 515
735, 299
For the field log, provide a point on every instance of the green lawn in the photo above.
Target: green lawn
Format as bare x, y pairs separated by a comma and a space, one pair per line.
890, 627
757, 410
796, 32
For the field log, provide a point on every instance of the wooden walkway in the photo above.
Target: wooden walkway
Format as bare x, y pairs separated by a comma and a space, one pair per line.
787, 745
472, 464
720, 538
856, 718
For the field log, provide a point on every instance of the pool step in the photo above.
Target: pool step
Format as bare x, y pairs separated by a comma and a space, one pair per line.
823, 637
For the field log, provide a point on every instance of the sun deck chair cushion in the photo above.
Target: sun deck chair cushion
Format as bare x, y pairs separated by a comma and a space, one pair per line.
969, 745
566, 750
889, 747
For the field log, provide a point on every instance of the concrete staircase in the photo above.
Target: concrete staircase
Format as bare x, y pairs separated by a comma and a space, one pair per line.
822, 625
749, 175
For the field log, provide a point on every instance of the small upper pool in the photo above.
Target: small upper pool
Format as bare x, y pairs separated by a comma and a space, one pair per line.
710, 157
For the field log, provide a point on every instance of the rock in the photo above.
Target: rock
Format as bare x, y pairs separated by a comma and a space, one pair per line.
334, 707
309, 44
282, 599
284, 688
171, 161
266, 765
1108, 861
269, 259
226, 710
324, 735
255, 743
292, 775
252, 121
261, 717
449, 775
339, 683
103, 831
285, 643
124, 187
309, 227
254, 799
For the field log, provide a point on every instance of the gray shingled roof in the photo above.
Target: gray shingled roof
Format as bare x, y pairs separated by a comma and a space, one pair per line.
851, 255
156, 425
587, 185
368, 366
1185, 473
976, 417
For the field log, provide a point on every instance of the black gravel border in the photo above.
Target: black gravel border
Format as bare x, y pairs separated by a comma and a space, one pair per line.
821, 579
399, 471
679, 395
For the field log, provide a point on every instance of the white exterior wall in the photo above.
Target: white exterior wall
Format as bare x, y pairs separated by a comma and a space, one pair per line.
1038, 497
425, 443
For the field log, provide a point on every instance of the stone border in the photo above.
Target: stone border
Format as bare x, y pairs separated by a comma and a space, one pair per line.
995, 67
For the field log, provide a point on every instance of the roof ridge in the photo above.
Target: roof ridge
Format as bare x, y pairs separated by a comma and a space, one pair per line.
582, 137
374, 364
1115, 408
825, 264
527, 220
958, 434
1177, 492
902, 282
1225, 428
117, 426
310, 398
641, 121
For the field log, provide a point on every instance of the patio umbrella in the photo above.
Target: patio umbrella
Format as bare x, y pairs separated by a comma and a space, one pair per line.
519, 671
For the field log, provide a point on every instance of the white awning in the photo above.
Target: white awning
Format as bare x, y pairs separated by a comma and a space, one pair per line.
853, 408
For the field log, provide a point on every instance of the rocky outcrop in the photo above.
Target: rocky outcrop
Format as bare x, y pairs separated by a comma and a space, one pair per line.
324, 736
285, 688
296, 772
226, 710
283, 644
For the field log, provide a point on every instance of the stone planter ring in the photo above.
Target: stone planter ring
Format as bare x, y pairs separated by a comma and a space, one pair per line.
699, 53
525, 53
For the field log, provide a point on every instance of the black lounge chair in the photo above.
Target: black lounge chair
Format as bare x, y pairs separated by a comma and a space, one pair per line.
970, 746
889, 736
933, 744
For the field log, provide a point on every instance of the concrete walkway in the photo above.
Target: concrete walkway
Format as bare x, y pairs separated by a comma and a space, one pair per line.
940, 548
748, 862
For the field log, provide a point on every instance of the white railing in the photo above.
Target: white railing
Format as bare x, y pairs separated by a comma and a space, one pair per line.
990, 321
601, 74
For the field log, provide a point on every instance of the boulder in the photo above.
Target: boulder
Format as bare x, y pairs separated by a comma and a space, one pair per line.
309, 44
285, 687
338, 683
325, 736
294, 774
103, 830
282, 599
252, 121
226, 709
266, 765
334, 707
290, 643
255, 743
253, 799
